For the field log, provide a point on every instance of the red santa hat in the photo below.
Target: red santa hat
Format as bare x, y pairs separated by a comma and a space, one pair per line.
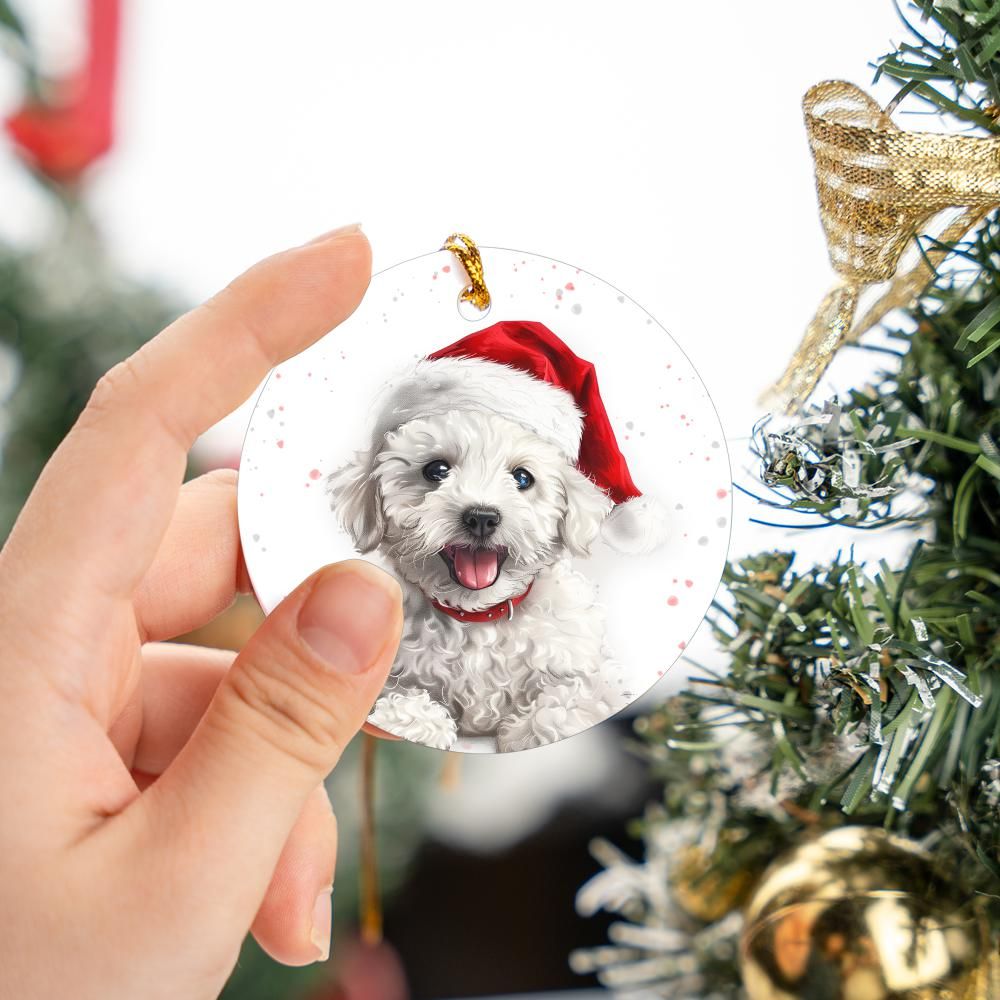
523, 372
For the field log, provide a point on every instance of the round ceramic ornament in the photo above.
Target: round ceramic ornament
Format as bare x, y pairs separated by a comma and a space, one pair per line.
546, 477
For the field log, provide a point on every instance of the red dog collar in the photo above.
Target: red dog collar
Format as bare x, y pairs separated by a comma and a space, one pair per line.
491, 614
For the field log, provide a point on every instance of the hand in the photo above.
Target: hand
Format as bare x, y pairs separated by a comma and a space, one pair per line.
159, 800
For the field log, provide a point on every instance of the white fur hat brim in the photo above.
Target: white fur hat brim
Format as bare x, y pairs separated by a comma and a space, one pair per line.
439, 386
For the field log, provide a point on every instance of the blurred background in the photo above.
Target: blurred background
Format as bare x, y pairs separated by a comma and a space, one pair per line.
152, 151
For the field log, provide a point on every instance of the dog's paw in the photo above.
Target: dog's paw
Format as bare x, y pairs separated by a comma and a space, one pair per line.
558, 711
415, 716
518, 733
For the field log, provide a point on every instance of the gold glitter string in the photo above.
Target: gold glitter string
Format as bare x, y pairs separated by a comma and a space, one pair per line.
371, 901
878, 187
370, 896
467, 252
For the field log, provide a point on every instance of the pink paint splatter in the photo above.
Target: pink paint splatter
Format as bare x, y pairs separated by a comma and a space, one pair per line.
281, 444
682, 645
446, 268
672, 601
314, 474
689, 583
722, 494
570, 287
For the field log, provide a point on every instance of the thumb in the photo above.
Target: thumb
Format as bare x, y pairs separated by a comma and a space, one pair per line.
293, 699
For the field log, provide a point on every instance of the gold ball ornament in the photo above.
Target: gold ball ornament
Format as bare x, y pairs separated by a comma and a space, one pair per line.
859, 914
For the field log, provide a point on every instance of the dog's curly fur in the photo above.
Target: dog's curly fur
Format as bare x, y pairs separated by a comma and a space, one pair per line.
543, 674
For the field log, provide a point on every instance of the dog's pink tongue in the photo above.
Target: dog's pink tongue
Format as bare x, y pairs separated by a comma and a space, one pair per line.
476, 568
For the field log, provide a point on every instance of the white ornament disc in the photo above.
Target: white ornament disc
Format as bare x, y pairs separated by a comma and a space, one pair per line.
548, 481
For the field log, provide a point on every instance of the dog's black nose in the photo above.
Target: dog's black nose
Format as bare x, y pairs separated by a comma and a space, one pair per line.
481, 521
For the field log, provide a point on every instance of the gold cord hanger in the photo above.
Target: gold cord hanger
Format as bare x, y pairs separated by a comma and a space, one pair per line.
467, 252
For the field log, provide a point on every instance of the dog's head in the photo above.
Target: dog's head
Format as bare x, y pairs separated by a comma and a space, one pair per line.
468, 505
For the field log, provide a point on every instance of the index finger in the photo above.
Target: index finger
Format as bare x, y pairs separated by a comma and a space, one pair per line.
103, 502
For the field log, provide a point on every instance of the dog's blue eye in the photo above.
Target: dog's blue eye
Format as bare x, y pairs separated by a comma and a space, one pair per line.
436, 471
523, 478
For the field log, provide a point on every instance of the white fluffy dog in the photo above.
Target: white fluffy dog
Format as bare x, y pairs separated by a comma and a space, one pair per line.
427, 504
472, 493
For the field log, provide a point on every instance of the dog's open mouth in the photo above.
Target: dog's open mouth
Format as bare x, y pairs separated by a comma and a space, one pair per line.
473, 568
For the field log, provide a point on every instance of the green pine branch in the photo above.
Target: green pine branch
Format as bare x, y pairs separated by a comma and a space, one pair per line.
951, 60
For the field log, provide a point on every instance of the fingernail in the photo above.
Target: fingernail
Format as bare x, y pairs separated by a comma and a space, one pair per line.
346, 617
322, 923
333, 234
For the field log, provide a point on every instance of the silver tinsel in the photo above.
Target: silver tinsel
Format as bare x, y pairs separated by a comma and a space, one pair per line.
822, 458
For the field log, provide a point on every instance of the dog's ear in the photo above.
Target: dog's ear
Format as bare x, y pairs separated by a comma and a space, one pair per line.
357, 500
586, 508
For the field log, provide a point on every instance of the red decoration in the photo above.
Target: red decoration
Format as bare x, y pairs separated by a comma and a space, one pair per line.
533, 348
63, 137
366, 972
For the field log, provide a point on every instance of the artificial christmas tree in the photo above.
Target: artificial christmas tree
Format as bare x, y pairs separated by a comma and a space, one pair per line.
855, 695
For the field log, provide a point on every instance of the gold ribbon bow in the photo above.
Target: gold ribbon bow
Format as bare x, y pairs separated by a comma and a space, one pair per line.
878, 186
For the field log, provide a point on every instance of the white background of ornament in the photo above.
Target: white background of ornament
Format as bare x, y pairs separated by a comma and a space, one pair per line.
316, 410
